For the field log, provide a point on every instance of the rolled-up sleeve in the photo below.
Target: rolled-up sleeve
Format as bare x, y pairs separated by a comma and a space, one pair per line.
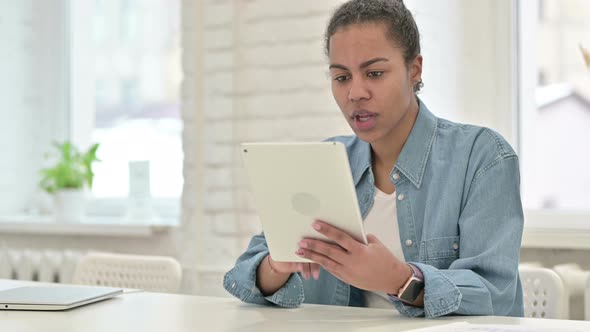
240, 281
484, 278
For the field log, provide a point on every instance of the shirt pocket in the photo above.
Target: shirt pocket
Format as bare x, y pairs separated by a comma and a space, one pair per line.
440, 252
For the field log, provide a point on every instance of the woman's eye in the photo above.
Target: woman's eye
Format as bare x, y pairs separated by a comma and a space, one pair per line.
375, 73
341, 78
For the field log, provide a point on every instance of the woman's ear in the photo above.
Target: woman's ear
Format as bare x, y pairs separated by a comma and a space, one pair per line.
416, 69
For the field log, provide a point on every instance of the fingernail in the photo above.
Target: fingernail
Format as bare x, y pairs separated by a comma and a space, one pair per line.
299, 252
316, 225
302, 244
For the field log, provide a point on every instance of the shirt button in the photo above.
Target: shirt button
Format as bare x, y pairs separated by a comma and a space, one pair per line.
233, 285
395, 176
401, 197
409, 243
455, 246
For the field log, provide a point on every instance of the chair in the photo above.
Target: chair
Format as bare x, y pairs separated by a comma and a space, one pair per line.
543, 293
574, 282
530, 264
151, 273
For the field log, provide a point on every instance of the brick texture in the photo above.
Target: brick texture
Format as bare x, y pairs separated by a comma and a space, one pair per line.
264, 78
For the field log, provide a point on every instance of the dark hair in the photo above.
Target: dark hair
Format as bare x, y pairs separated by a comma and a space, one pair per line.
401, 27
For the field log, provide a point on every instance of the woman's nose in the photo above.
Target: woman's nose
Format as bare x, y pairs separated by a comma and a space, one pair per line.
358, 90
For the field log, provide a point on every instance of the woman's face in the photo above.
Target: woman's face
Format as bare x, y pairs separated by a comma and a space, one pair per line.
370, 81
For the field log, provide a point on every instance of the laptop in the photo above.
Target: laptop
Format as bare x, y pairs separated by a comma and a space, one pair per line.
53, 298
295, 183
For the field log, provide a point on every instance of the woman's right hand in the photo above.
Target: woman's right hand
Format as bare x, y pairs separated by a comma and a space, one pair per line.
308, 270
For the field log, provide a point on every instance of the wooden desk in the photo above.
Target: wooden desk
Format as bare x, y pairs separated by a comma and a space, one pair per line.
146, 311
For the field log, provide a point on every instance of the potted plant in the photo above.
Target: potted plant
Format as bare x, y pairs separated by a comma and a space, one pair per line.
68, 179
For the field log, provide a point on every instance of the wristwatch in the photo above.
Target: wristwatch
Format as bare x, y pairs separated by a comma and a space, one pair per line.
412, 288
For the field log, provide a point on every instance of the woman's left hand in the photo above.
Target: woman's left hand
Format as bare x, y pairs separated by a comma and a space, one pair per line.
370, 267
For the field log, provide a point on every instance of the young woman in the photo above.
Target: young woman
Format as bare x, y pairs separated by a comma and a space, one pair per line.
441, 200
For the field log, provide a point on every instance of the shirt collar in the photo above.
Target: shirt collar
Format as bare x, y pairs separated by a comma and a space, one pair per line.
414, 155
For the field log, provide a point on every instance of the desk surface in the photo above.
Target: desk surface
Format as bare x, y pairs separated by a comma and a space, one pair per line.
144, 311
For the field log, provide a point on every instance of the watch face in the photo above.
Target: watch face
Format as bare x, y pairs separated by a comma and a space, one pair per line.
412, 292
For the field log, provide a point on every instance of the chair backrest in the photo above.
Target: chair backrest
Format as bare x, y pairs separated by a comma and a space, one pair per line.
543, 293
151, 273
574, 282
574, 278
530, 264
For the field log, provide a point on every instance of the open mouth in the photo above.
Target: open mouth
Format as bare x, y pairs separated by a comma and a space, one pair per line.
364, 120
364, 117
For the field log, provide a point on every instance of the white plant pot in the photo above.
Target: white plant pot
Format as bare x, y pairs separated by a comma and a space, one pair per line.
70, 205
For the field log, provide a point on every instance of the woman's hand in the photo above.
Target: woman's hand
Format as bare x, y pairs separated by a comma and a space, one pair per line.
272, 275
307, 270
370, 267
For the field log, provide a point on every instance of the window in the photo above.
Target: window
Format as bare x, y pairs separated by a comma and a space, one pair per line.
554, 118
110, 73
134, 77
127, 64
555, 105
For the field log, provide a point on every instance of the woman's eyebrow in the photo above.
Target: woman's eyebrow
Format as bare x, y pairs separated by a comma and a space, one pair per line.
363, 65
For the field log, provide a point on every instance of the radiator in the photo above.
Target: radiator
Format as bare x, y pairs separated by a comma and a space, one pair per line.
39, 264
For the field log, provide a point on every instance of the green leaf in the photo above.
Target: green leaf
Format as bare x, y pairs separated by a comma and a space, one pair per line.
72, 171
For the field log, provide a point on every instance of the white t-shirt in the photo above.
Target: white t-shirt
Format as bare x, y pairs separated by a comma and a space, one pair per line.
382, 222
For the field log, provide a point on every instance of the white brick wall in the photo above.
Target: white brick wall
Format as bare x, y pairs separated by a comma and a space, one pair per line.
264, 78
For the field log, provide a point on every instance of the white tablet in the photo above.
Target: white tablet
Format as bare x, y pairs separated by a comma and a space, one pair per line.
295, 183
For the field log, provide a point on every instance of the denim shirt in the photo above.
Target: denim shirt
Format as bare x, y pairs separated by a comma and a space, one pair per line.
460, 222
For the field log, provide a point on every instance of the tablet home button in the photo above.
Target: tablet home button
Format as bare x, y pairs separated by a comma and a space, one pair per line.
306, 204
